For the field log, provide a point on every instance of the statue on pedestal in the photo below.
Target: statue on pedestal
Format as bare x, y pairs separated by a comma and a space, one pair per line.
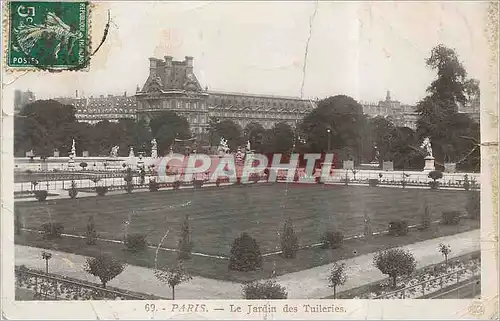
114, 151
429, 159
73, 149
131, 153
426, 145
154, 148
223, 147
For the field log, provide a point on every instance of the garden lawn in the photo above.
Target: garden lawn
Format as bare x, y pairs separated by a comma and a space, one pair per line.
218, 215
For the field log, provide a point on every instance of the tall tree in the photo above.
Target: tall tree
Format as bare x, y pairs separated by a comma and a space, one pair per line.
255, 133
279, 139
337, 123
438, 111
229, 130
168, 126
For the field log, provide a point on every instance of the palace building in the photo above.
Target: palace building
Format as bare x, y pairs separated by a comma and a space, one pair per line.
172, 85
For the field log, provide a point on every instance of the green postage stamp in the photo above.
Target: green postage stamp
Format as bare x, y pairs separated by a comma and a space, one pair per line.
48, 35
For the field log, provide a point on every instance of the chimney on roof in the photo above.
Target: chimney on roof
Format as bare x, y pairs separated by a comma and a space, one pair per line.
168, 61
76, 93
152, 66
189, 61
125, 94
388, 96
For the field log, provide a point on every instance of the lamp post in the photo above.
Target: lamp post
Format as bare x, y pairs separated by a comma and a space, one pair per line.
329, 139
46, 256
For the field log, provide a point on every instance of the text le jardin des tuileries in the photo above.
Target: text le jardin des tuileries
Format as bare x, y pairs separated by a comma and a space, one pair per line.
250, 308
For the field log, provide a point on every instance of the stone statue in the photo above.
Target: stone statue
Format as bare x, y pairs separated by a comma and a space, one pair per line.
154, 148
377, 154
223, 146
73, 149
248, 146
131, 153
114, 151
426, 144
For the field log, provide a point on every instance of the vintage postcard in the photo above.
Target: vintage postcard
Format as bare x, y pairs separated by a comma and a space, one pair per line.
249, 160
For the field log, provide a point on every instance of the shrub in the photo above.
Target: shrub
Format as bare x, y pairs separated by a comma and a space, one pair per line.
466, 182
197, 183
176, 185
426, 218
105, 267
394, 263
450, 217
217, 182
337, 277
73, 192
136, 242
332, 240
434, 184
101, 190
41, 195
153, 186
129, 187
289, 240
91, 231
445, 250
398, 228
373, 182
52, 230
264, 290
173, 276
245, 254
185, 245
474, 205
435, 175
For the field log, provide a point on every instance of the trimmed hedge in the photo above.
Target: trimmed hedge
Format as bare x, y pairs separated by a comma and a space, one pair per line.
136, 242
52, 230
101, 190
153, 186
245, 254
450, 217
398, 228
41, 195
332, 240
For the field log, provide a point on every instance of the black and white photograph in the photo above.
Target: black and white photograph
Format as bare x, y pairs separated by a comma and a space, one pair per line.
250, 160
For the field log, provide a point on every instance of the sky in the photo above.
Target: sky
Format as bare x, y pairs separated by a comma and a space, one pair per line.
358, 49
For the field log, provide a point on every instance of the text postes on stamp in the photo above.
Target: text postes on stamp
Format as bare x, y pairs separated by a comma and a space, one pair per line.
48, 35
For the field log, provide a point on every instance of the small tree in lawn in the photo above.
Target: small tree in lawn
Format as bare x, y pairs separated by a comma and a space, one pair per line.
73, 192
185, 245
289, 240
337, 277
173, 276
395, 262
245, 254
426, 217
105, 267
264, 290
445, 251
368, 231
435, 175
91, 231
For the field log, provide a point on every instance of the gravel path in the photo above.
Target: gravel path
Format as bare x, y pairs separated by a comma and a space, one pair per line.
310, 284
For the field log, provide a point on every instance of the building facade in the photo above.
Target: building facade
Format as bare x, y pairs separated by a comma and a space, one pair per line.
401, 115
22, 98
172, 85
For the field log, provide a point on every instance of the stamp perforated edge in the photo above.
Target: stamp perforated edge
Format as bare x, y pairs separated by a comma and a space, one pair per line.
5, 45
